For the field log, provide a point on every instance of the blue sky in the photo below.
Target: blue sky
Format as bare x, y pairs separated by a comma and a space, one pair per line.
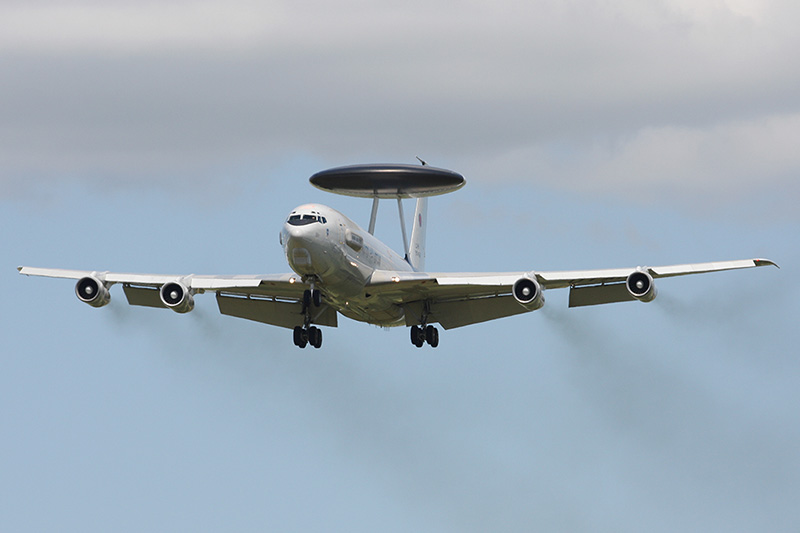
590, 136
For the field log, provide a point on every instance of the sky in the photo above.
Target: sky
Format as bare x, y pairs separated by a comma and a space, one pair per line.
174, 137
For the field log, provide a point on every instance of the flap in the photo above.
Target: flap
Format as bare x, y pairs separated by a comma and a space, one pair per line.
144, 296
269, 311
599, 294
454, 314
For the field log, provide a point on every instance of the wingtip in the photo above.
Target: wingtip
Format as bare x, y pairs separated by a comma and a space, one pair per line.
765, 262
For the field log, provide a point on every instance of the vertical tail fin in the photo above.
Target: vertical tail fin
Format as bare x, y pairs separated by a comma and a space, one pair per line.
416, 249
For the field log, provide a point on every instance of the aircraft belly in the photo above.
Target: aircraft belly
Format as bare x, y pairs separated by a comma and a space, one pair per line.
341, 280
342, 274
381, 315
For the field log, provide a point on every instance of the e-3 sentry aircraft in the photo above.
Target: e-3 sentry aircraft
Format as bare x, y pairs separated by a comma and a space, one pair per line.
339, 268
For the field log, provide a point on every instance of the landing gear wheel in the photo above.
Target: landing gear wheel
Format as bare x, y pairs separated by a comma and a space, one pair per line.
315, 336
432, 336
300, 337
311, 296
417, 336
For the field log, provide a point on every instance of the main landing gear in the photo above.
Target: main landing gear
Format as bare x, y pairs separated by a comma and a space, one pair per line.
308, 334
422, 334
311, 335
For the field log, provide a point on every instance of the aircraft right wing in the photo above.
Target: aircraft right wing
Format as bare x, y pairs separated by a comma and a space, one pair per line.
460, 299
275, 299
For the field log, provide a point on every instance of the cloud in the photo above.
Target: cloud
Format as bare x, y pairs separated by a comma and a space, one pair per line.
723, 161
125, 92
124, 27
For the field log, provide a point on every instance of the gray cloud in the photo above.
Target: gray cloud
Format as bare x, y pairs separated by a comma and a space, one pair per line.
667, 95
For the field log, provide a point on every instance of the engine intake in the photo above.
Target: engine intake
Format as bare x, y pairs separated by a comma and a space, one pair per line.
528, 293
92, 291
177, 297
641, 286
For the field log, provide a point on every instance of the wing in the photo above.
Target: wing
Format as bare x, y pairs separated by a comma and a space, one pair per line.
272, 299
459, 299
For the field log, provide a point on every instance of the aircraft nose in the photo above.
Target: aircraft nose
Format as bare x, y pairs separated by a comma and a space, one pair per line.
296, 233
300, 246
300, 236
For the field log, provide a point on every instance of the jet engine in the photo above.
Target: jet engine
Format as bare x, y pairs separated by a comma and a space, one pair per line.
92, 291
177, 297
641, 286
528, 293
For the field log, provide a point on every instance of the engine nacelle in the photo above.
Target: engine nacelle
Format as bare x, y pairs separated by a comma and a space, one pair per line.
92, 291
528, 293
177, 297
641, 286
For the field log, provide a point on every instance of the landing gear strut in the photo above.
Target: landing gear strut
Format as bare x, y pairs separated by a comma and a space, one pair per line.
422, 334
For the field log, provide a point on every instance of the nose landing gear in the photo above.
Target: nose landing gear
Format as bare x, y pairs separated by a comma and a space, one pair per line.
308, 334
311, 297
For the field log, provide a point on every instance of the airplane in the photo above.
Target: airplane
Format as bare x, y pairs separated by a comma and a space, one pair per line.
338, 268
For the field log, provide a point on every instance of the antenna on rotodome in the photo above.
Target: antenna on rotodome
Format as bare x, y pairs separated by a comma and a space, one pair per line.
420, 160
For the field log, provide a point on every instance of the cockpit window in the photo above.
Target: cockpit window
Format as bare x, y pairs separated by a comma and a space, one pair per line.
302, 220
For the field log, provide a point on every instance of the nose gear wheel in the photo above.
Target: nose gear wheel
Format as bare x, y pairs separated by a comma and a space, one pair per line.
311, 297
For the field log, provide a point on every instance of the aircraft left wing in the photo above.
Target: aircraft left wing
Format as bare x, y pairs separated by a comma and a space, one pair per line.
459, 299
272, 299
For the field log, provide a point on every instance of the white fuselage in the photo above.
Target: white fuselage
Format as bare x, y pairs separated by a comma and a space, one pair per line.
325, 247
